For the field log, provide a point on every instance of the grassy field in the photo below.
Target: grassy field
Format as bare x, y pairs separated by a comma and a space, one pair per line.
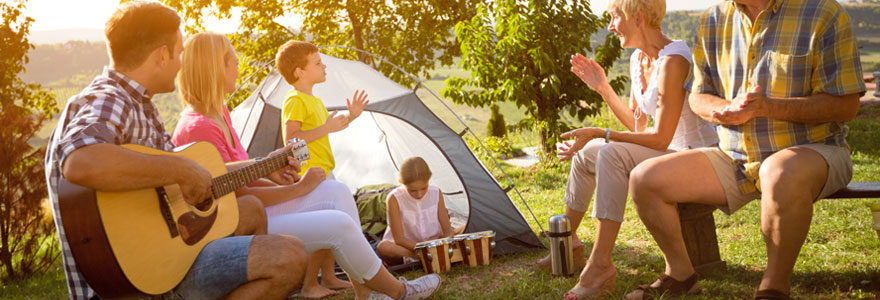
839, 260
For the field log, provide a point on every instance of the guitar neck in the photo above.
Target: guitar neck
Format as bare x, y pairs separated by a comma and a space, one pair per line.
229, 182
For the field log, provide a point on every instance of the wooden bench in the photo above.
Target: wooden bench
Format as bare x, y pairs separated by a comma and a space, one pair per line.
698, 226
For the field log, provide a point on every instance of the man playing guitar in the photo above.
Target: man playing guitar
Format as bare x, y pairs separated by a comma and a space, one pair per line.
144, 42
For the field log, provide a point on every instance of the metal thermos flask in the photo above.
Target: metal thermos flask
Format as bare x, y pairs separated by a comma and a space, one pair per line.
560, 246
877, 82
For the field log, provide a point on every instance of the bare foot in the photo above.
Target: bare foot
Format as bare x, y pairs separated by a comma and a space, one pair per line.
316, 292
335, 283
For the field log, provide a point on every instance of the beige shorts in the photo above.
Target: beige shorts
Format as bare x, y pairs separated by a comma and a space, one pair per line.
839, 174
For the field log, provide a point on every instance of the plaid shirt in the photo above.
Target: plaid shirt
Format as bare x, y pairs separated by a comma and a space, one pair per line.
112, 109
794, 48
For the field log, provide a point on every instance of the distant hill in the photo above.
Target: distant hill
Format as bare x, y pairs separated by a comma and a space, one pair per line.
67, 68
63, 35
864, 17
58, 65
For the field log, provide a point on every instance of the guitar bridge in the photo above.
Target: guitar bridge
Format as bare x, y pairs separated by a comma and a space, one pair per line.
166, 211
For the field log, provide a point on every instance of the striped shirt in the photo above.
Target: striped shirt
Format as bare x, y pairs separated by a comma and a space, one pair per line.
794, 48
113, 109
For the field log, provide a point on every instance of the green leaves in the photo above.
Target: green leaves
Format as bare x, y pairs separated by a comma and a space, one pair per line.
14, 44
519, 51
23, 108
416, 35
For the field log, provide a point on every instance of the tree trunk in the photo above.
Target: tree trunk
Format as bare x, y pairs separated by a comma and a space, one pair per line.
356, 28
544, 128
6, 260
547, 147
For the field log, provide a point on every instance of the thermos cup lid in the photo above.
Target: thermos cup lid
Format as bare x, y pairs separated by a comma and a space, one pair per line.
559, 223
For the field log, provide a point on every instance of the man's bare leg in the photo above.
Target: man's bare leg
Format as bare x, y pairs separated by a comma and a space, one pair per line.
790, 180
656, 186
275, 267
251, 216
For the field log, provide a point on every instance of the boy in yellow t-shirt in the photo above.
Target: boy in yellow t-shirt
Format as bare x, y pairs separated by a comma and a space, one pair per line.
304, 115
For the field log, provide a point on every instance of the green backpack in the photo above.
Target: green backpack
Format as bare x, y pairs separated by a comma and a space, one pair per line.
371, 208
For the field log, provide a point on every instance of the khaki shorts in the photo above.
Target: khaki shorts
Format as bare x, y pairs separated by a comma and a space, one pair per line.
839, 174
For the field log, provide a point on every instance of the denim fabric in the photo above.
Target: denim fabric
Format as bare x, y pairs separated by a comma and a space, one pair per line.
220, 268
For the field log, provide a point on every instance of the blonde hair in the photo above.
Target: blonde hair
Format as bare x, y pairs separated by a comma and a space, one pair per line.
414, 169
293, 55
652, 10
203, 72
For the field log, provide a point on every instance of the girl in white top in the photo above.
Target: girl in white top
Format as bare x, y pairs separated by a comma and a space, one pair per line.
660, 74
415, 210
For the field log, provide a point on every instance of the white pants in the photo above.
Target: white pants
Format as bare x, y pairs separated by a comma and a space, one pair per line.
604, 168
327, 218
334, 230
329, 194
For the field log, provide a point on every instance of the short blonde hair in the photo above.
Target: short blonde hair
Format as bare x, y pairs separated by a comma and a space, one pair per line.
652, 10
203, 72
414, 169
293, 55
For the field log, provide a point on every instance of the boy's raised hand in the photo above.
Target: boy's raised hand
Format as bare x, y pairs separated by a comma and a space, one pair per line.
336, 122
356, 106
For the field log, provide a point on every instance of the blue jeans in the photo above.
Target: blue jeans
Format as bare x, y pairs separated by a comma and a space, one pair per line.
220, 268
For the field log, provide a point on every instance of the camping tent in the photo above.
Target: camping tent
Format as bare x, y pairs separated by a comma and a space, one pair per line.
394, 126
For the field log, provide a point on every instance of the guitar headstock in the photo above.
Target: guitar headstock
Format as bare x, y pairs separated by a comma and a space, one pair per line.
300, 149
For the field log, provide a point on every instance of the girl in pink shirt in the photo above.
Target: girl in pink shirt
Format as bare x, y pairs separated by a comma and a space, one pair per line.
194, 126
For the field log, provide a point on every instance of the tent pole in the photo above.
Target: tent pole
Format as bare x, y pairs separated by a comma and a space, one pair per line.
497, 165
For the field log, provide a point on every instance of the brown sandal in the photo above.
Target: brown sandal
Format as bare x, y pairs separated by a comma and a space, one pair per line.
670, 287
771, 295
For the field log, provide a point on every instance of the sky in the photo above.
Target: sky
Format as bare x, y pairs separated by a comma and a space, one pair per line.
79, 14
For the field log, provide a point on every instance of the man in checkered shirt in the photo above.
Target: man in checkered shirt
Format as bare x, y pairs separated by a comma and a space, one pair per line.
779, 78
144, 42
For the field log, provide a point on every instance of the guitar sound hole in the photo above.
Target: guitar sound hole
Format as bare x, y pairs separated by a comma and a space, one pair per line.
205, 204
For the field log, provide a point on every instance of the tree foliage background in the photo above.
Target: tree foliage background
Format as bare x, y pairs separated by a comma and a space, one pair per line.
27, 241
413, 34
519, 51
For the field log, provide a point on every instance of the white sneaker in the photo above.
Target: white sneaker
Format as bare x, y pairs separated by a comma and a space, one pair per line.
421, 287
374, 295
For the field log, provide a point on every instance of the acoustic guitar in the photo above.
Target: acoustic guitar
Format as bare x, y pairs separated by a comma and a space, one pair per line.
143, 242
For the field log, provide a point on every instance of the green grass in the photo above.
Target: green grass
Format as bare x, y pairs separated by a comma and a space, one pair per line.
839, 260
46, 285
